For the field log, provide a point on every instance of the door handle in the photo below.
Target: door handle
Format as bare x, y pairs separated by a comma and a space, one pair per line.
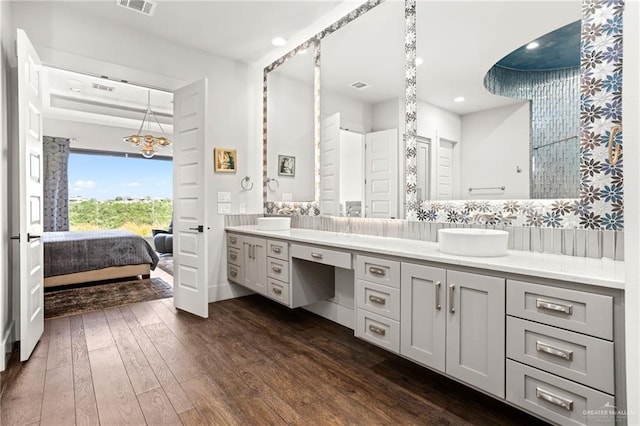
438, 305
452, 289
199, 228
32, 237
16, 237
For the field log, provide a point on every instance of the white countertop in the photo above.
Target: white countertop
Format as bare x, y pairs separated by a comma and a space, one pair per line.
600, 272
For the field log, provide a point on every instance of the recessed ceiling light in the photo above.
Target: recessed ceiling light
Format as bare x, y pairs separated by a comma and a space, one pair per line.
74, 89
278, 41
419, 61
459, 99
533, 45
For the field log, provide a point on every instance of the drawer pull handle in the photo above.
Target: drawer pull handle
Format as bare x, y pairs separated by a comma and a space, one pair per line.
377, 330
567, 404
276, 269
277, 291
233, 273
233, 256
377, 299
233, 240
276, 249
377, 271
438, 286
556, 307
316, 255
561, 353
452, 289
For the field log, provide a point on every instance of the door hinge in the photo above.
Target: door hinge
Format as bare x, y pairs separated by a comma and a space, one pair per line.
16, 237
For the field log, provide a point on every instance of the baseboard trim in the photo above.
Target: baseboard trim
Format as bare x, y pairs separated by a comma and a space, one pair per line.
227, 291
7, 344
332, 311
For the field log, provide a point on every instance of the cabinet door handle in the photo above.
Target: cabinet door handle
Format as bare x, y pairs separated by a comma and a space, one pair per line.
377, 299
277, 291
233, 256
556, 307
551, 350
452, 289
316, 255
276, 269
233, 273
252, 251
276, 249
565, 403
233, 240
377, 330
438, 286
377, 271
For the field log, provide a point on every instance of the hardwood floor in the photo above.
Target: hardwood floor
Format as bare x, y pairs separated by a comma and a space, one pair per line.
251, 362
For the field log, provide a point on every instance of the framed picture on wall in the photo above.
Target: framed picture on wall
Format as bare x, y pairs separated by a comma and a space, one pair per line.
286, 165
225, 160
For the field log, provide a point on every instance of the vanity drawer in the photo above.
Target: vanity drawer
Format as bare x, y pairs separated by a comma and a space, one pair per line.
586, 313
234, 256
234, 273
378, 330
558, 400
234, 240
574, 356
278, 291
278, 269
322, 255
278, 249
380, 271
378, 299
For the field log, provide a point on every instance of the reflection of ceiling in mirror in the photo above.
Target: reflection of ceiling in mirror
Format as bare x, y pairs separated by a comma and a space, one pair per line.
459, 41
299, 67
369, 49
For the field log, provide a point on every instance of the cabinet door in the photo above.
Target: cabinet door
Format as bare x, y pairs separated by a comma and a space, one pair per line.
423, 314
476, 330
254, 259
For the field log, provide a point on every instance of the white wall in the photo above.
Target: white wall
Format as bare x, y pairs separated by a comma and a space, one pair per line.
94, 136
434, 124
494, 143
631, 111
90, 44
291, 132
355, 115
6, 312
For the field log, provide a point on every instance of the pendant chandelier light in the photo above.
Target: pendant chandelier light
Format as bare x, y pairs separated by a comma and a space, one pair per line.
149, 144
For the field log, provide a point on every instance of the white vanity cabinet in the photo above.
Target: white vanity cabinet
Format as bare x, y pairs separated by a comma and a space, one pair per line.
278, 271
454, 322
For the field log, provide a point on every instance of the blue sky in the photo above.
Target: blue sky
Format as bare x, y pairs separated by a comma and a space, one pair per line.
104, 177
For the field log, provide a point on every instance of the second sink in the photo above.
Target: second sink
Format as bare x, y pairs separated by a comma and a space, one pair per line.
473, 242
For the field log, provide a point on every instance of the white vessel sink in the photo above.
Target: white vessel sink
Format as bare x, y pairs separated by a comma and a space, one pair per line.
279, 223
473, 242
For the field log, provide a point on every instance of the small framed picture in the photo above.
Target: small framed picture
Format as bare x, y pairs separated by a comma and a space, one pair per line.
225, 160
286, 165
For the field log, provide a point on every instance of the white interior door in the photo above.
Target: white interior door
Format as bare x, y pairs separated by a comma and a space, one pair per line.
445, 170
30, 252
330, 166
190, 288
381, 174
423, 167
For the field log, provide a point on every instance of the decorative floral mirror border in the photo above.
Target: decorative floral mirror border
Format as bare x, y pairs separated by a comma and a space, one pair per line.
600, 205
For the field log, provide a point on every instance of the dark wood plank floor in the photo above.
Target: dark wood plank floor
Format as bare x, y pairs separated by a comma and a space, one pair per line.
251, 362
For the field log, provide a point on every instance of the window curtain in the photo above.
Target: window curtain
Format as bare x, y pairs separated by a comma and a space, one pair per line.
56, 184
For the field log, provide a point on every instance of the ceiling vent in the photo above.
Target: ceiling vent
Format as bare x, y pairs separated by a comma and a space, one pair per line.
359, 85
145, 7
99, 86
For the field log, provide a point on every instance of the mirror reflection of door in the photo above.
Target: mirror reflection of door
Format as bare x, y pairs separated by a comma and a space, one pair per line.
423, 159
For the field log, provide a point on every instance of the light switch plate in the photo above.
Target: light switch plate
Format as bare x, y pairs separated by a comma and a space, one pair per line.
224, 197
243, 208
224, 208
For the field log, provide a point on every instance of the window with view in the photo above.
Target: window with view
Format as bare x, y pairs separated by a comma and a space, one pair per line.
118, 192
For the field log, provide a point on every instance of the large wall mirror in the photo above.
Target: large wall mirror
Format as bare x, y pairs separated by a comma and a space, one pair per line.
498, 118
361, 102
290, 131
485, 116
